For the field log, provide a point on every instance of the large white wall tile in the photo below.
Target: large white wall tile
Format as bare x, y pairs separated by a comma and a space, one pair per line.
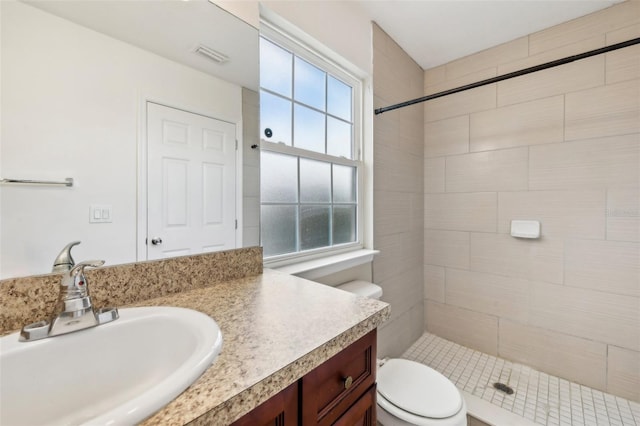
434, 175
584, 27
394, 337
397, 170
503, 170
610, 266
461, 212
446, 248
571, 77
586, 164
394, 212
446, 137
434, 277
540, 260
505, 297
473, 329
537, 122
434, 76
590, 314
506, 52
479, 99
623, 373
398, 253
470, 77
604, 111
560, 52
577, 359
579, 214
403, 290
623, 64
623, 214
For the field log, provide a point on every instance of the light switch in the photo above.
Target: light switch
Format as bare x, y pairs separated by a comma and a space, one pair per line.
100, 213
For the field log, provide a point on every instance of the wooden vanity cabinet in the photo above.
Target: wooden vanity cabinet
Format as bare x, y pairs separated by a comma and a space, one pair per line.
280, 410
341, 392
328, 391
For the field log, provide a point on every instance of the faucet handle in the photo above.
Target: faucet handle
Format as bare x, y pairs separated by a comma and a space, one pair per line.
73, 282
79, 268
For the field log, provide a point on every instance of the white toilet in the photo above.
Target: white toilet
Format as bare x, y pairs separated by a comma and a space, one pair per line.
410, 393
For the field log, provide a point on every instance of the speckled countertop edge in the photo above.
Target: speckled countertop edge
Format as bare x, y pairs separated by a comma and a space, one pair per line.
275, 328
33, 298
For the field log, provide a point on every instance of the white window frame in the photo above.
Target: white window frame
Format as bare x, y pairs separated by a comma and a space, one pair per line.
304, 51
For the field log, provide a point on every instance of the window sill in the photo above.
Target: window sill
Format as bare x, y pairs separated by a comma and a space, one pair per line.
320, 267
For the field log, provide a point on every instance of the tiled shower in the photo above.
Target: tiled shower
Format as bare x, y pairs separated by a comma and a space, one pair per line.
560, 146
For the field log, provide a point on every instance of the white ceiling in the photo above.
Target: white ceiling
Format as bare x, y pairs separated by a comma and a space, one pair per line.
172, 29
434, 32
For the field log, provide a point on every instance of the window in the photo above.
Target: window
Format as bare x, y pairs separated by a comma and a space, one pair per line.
310, 159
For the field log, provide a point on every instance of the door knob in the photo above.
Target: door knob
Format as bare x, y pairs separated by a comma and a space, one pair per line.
156, 240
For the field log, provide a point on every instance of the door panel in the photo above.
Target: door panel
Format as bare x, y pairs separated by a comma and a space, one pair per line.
191, 183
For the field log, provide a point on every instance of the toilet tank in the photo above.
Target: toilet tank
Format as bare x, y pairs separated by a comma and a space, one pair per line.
362, 288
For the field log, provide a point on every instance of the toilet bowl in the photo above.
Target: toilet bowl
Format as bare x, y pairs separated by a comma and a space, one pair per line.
410, 393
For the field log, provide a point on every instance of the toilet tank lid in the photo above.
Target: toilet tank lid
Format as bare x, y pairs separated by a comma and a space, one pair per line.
362, 288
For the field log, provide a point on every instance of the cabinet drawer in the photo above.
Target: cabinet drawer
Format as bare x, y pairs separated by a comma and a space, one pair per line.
333, 387
280, 410
362, 413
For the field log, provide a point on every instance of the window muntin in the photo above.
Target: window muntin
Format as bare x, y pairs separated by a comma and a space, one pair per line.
322, 115
310, 172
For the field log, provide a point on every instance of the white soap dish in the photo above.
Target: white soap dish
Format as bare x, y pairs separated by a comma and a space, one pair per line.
525, 228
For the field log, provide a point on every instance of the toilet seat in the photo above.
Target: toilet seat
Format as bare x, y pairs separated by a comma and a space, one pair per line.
416, 393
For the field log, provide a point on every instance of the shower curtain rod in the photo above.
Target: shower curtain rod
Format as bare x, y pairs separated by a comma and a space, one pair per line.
513, 74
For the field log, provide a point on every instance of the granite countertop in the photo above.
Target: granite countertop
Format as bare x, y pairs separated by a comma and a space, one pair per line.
275, 329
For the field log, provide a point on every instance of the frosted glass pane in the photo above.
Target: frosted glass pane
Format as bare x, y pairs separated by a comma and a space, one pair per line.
338, 138
339, 99
309, 84
315, 181
275, 68
308, 129
278, 229
278, 178
344, 184
275, 114
344, 224
314, 227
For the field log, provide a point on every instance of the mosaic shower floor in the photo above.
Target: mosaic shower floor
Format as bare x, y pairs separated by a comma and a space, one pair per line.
539, 397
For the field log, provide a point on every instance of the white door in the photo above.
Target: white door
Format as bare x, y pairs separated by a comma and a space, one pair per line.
191, 183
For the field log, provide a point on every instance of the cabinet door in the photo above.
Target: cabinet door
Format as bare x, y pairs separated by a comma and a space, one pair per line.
362, 413
330, 389
279, 410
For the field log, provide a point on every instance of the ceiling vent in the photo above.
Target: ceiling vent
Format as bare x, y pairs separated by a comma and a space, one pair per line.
211, 54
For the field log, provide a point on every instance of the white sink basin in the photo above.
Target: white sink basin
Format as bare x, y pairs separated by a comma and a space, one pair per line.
116, 373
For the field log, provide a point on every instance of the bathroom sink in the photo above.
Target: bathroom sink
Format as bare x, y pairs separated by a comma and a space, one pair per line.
117, 373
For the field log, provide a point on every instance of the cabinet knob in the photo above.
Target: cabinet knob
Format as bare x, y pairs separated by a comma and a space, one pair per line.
348, 381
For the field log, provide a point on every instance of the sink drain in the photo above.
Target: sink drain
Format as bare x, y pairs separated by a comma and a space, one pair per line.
503, 388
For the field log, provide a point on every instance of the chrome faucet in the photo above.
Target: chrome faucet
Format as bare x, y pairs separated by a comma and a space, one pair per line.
74, 310
64, 262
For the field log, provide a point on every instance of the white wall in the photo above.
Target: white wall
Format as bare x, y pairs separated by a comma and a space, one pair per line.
70, 108
342, 26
